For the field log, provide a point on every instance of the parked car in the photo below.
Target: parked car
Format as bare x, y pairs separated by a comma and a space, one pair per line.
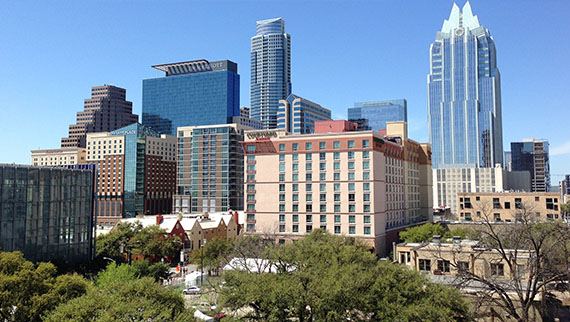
191, 290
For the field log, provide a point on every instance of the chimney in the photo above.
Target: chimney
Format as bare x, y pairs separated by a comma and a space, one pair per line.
436, 239
159, 219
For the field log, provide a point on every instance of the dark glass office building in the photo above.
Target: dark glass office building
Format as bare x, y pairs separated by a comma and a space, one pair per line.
374, 115
532, 155
192, 93
47, 212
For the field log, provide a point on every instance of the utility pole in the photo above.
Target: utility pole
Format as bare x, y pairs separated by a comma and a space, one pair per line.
202, 262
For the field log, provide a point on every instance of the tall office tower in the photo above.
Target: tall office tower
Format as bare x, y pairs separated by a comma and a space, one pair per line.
106, 110
464, 94
298, 115
374, 115
358, 183
532, 155
270, 70
192, 93
47, 212
210, 168
137, 170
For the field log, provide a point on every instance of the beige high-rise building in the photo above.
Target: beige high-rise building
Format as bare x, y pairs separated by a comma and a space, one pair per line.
63, 156
357, 183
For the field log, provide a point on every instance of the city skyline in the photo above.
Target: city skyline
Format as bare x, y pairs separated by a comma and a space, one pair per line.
315, 67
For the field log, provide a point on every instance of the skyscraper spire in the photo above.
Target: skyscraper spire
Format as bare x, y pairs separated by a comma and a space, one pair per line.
460, 19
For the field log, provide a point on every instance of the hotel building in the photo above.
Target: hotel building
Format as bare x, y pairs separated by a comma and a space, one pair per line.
64, 156
136, 171
210, 168
357, 183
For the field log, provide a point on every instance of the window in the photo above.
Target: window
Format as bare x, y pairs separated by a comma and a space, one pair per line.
337, 230
351, 208
309, 218
309, 197
282, 167
337, 197
308, 177
281, 147
351, 176
309, 208
351, 155
336, 176
282, 177
425, 264
295, 218
308, 146
351, 219
497, 217
309, 187
281, 218
336, 166
366, 197
281, 197
323, 197
365, 154
322, 166
295, 167
322, 145
336, 145
336, 155
518, 203
309, 228
295, 146
351, 197
282, 158
295, 177
336, 208
497, 269
281, 187
365, 143
295, 157
295, 197
337, 219
251, 148
281, 207
366, 186
323, 218
463, 267
323, 187
366, 165
322, 156
308, 157
308, 166
507, 205
366, 175
351, 230
366, 230
351, 186
351, 165
496, 203
366, 208
281, 228
366, 219
295, 187
323, 208
351, 144
295, 228
323, 176
443, 266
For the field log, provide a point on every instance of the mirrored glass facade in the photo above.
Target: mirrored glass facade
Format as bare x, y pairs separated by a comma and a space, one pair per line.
192, 93
270, 70
374, 115
464, 94
47, 213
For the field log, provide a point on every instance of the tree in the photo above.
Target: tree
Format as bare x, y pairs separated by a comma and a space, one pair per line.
425, 232
214, 254
533, 253
27, 291
119, 295
158, 271
134, 239
323, 277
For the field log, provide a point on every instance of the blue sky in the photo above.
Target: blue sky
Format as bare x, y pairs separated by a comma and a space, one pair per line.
52, 52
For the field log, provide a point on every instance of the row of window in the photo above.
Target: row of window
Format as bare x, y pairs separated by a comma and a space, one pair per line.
322, 156
323, 186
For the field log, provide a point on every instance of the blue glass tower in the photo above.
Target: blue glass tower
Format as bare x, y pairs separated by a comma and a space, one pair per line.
270, 70
464, 94
192, 93
374, 115
298, 115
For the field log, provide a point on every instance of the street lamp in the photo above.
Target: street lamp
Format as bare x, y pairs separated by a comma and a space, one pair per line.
202, 261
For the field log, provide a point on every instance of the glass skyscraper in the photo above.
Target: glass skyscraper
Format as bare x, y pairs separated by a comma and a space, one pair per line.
374, 115
192, 93
532, 155
270, 70
298, 115
464, 94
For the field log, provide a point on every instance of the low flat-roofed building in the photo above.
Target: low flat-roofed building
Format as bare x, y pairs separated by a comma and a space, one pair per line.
507, 206
461, 256
63, 156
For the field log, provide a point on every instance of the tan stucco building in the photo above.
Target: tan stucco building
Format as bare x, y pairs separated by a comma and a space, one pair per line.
63, 156
508, 206
357, 183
